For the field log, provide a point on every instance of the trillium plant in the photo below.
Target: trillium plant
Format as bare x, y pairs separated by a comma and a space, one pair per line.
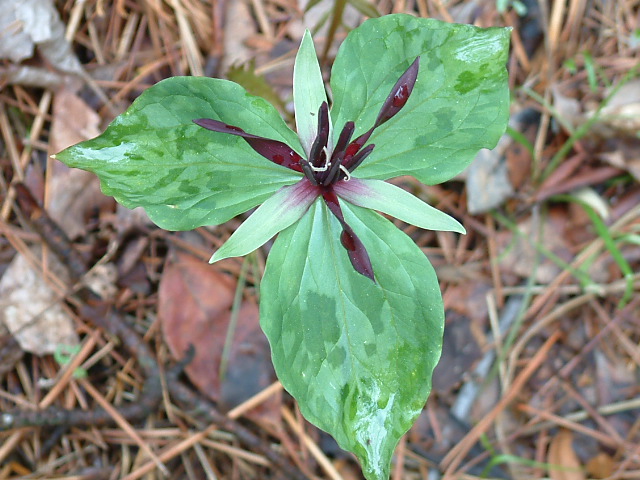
350, 305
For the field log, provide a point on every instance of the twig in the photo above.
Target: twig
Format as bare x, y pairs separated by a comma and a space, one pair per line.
110, 320
457, 454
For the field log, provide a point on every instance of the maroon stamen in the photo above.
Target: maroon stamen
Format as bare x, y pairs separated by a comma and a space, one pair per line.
308, 172
317, 154
345, 136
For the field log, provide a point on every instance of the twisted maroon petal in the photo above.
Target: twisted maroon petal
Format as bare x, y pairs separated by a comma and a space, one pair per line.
277, 152
394, 102
399, 93
355, 248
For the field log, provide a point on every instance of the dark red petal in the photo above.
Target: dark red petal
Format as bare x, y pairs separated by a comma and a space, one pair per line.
277, 152
357, 253
316, 157
399, 93
356, 250
394, 102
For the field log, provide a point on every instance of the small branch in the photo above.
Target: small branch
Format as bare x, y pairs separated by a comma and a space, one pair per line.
110, 320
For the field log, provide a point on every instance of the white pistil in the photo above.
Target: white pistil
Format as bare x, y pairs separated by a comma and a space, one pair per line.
346, 172
321, 169
326, 165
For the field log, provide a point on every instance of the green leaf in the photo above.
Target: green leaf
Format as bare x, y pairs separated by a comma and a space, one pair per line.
394, 201
284, 208
308, 92
460, 102
154, 156
358, 356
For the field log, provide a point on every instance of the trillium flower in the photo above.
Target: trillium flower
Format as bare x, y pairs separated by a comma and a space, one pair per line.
350, 304
327, 168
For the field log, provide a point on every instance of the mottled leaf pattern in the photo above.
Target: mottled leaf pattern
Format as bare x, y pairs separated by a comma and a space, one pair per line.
460, 102
357, 355
154, 156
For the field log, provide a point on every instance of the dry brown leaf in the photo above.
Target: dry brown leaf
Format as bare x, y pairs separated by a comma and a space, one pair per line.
73, 193
30, 76
624, 153
28, 23
31, 310
241, 23
460, 352
622, 114
561, 454
601, 466
489, 179
10, 351
520, 256
194, 309
568, 108
73, 121
320, 15
488, 182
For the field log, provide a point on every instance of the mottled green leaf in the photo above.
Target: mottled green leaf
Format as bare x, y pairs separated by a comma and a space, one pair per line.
357, 355
154, 156
460, 102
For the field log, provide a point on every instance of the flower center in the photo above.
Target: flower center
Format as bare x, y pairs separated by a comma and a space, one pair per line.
325, 168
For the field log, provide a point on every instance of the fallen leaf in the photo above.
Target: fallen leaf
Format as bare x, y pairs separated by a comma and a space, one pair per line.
241, 23
562, 457
459, 353
30, 23
568, 108
623, 153
520, 255
194, 308
74, 194
488, 182
488, 178
10, 351
317, 17
30, 76
31, 309
601, 466
621, 115
254, 83
249, 369
613, 377
73, 121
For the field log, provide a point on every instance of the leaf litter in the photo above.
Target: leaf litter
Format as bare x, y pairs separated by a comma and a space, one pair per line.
582, 386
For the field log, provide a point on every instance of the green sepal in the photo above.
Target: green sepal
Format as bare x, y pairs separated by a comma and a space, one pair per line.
357, 355
392, 200
284, 208
154, 156
308, 92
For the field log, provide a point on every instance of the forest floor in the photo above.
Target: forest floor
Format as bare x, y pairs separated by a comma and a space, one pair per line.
540, 373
